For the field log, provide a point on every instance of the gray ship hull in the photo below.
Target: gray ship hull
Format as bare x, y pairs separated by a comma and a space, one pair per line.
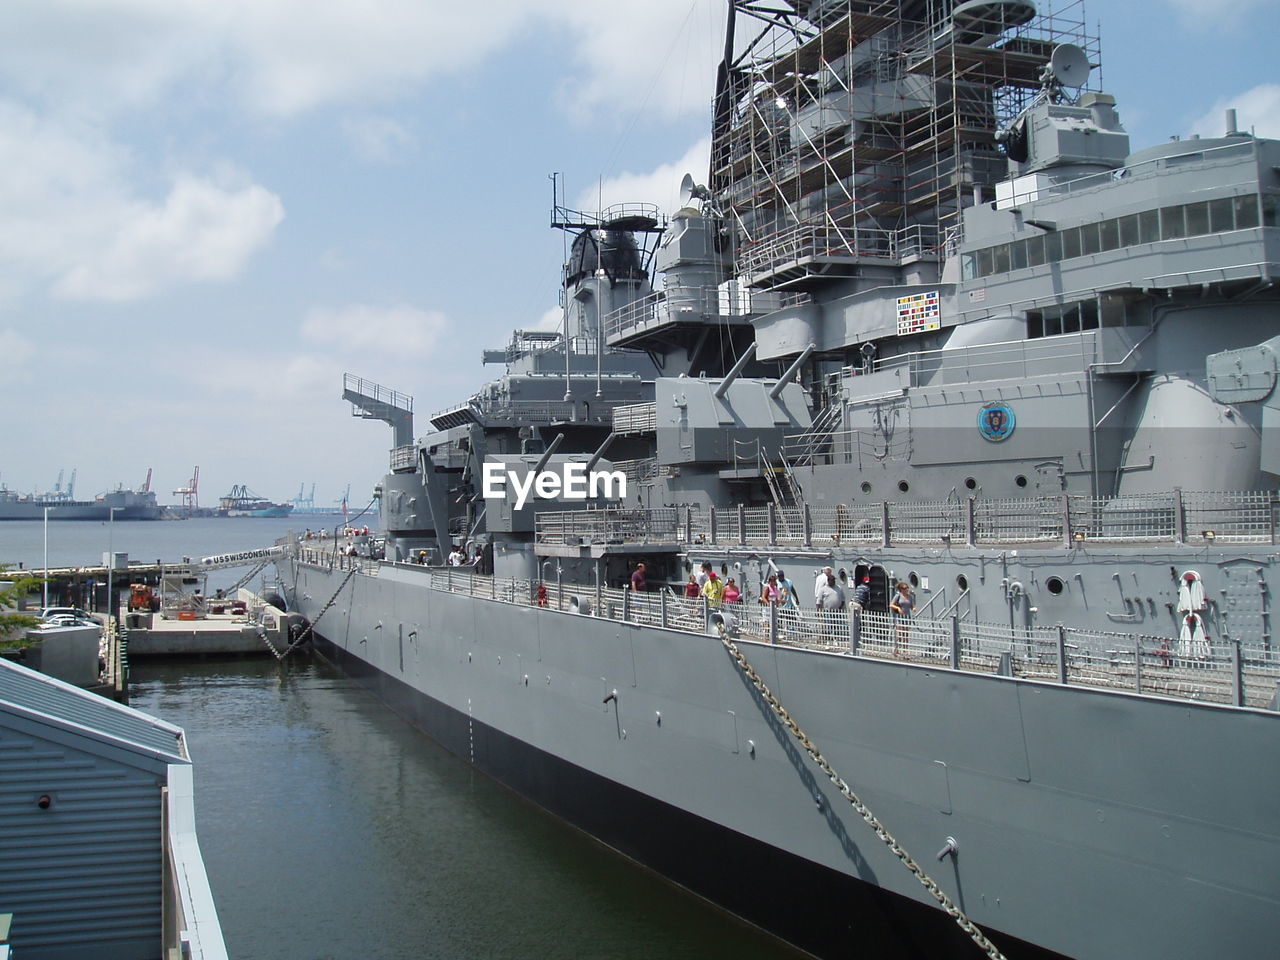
1089, 823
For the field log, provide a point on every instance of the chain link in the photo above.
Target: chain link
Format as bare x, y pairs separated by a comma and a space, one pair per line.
935, 891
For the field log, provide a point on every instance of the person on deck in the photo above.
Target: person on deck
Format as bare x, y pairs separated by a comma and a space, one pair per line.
637, 579
713, 590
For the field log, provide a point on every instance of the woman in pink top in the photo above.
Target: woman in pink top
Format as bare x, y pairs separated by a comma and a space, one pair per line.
770, 593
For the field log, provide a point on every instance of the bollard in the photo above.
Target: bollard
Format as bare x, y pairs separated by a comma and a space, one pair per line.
1137, 665
1237, 675
1062, 654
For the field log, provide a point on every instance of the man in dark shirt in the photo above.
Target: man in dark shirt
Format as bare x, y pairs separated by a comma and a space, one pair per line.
637, 578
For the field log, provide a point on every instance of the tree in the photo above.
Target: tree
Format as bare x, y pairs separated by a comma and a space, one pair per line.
13, 625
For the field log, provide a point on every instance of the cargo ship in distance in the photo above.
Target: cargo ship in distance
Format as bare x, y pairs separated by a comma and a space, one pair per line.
125, 504
240, 502
982, 404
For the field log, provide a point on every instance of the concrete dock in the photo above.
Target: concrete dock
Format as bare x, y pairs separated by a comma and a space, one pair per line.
260, 630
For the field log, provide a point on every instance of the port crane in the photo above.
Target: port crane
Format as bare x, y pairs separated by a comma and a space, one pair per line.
146, 486
190, 493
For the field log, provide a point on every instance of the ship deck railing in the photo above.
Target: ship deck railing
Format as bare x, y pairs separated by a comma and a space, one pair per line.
1219, 671
1177, 516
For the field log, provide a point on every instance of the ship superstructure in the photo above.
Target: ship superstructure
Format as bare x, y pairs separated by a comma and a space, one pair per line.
928, 323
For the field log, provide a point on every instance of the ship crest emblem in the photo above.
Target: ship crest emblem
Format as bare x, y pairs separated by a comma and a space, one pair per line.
996, 421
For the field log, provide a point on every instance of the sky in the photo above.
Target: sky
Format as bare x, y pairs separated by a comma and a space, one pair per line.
212, 209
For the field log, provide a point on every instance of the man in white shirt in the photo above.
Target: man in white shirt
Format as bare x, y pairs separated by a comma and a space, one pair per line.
819, 586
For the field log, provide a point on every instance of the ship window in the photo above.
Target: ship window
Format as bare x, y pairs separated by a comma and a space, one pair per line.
1071, 318
1052, 322
1110, 230
1035, 251
1088, 315
984, 262
866, 487
1054, 585
1221, 217
1128, 230
1268, 211
1149, 226
1113, 310
1035, 324
1089, 239
1001, 256
970, 483
969, 265
1020, 480
1197, 218
1173, 223
1018, 255
1246, 212
962, 581
904, 486
1052, 247
1070, 243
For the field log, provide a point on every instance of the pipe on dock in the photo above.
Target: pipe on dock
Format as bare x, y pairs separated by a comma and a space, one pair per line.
732, 375
791, 372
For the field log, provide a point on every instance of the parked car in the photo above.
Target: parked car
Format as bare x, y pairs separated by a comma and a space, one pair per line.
48, 613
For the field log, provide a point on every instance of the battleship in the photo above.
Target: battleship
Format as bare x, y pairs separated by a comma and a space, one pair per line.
975, 406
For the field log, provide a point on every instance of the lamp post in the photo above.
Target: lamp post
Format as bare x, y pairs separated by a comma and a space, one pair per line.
111, 561
44, 592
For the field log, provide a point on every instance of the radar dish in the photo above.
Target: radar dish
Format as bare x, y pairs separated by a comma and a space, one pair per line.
691, 190
1070, 65
687, 186
982, 20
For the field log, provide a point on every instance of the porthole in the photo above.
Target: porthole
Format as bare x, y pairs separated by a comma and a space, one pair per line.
970, 483
914, 578
962, 582
904, 486
1054, 585
866, 487
1020, 480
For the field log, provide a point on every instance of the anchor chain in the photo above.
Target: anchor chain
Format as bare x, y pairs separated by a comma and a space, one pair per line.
310, 628
931, 885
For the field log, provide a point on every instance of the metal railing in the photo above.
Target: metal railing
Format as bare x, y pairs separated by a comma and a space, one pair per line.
635, 417
1218, 672
1176, 516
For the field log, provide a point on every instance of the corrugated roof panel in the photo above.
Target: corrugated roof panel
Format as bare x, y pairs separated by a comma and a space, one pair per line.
65, 704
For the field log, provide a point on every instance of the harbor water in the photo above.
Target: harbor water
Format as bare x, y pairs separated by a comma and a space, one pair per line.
330, 828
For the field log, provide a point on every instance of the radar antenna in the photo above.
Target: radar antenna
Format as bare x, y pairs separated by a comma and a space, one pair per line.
1068, 66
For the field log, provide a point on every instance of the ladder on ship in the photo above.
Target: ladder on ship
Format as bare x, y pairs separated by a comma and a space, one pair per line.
818, 436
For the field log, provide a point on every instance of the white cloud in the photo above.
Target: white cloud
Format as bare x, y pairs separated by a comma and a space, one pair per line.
402, 330
1257, 111
283, 57
660, 186
16, 352
658, 55
73, 220
201, 232
1218, 14
376, 138
551, 320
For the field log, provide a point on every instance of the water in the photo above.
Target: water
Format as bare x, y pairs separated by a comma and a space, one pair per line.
83, 542
332, 829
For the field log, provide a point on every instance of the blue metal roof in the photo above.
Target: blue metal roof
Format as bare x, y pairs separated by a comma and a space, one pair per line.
34, 694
